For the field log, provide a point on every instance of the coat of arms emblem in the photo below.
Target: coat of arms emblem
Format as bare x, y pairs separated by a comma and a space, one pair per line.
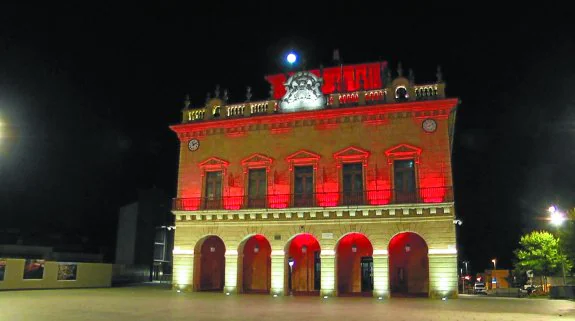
303, 92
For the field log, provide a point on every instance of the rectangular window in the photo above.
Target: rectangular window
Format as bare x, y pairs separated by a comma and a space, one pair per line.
352, 184
404, 180
213, 192
257, 188
303, 186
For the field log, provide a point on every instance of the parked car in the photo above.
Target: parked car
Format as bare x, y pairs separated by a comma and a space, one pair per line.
479, 288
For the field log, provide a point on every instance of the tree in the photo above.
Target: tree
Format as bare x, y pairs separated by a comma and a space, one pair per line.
539, 251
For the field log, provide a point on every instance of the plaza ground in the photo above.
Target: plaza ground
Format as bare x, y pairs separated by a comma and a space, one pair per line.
156, 303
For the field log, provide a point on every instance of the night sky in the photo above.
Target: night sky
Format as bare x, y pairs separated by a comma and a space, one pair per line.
87, 98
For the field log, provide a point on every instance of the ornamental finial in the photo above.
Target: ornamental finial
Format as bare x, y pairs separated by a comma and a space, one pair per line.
226, 95
248, 93
387, 77
411, 77
217, 91
399, 70
439, 74
208, 97
187, 101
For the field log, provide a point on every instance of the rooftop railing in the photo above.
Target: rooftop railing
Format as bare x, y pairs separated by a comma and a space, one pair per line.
221, 110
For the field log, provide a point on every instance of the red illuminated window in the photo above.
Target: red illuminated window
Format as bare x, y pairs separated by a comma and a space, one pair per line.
257, 188
352, 175
303, 186
404, 159
404, 180
213, 190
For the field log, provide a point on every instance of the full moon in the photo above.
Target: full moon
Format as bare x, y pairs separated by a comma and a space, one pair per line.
291, 58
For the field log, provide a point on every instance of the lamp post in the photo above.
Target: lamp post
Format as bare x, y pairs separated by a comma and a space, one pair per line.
494, 271
290, 263
466, 273
557, 219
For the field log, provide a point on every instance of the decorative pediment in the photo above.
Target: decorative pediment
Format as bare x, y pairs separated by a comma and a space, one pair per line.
256, 160
403, 151
352, 154
303, 157
213, 164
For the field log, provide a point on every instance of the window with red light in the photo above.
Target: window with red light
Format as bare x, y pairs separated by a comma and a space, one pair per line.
352, 175
213, 190
404, 182
303, 185
257, 187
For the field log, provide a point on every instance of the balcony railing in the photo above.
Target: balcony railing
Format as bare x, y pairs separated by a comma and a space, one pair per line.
322, 199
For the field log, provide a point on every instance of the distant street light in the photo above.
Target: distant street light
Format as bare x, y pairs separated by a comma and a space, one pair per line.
493, 274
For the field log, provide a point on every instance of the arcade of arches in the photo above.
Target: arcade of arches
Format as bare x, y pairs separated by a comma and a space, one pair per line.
353, 268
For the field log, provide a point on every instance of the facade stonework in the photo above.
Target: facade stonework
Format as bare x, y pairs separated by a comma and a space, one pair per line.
351, 198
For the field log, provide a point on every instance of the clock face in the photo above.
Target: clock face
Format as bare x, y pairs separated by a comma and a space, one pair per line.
429, 125
194, 144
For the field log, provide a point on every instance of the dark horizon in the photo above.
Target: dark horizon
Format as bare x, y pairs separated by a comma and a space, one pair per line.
88, 100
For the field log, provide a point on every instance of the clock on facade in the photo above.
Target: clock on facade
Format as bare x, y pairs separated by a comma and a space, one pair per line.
429, 125
193, 144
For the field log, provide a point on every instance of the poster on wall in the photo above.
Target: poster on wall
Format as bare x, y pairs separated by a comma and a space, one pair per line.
67, 271
2, 268
34, 269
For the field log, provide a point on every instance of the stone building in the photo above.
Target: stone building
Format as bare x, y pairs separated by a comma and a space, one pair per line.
339, 184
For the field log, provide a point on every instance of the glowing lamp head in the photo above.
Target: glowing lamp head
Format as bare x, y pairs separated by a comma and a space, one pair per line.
291, 58
557, 218
552, 209
291, 262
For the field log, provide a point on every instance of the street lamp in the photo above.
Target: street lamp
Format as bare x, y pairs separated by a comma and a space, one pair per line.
290, 263
493, 274
557, 219
466, 274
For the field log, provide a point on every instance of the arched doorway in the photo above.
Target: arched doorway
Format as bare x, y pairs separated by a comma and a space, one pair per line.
354, 259
408, 265
209, 264
303, 265
255, 265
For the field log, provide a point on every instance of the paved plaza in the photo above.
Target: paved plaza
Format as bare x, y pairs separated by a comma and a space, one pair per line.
153, 303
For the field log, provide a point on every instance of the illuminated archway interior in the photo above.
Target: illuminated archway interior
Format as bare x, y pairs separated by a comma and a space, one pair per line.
209, 264
303, 277
408, 265
255, 265
354, 265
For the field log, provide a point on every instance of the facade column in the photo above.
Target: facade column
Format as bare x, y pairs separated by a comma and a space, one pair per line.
327, 273
278, 272
183, 276
442, 274
380, 273
231, 273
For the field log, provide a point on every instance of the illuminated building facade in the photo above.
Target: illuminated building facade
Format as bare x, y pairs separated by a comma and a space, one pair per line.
339, 184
